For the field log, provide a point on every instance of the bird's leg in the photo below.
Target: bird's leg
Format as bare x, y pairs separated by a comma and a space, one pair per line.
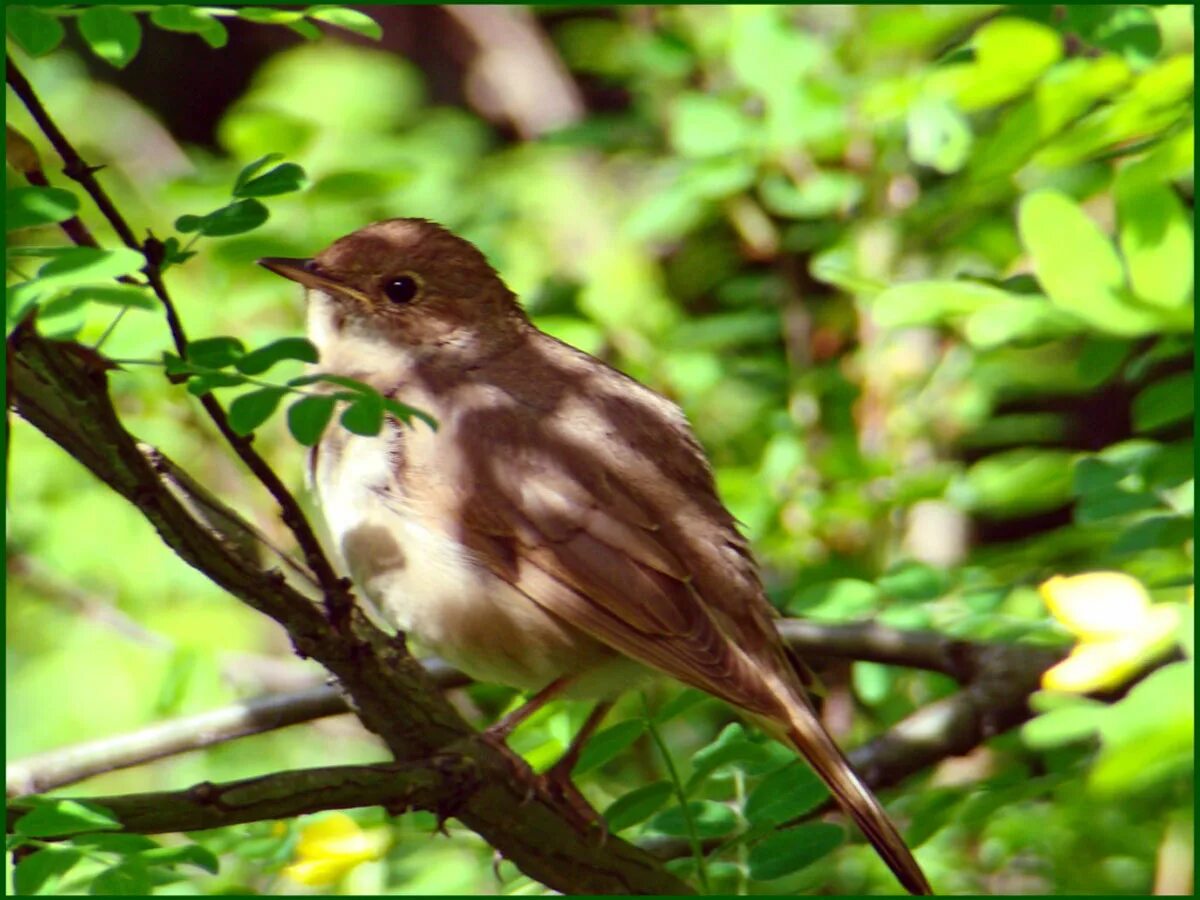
561, 770
500, 731
557, 779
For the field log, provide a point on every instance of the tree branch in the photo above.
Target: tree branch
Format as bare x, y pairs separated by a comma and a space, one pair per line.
68, 765
61, 388
431, 785
336, 590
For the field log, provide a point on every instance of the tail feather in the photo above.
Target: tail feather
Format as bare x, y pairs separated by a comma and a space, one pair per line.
806, 734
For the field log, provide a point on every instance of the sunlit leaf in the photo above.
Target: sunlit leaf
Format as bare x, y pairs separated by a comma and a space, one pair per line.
34, 31
29, 207
350, 19
112, 33
50, 818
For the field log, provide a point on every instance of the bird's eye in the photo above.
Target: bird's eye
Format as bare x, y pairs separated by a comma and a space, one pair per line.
401, 289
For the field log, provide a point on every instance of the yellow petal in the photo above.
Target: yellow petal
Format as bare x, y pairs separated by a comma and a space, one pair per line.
1098, 605
1101, 665
332, 845
318, 872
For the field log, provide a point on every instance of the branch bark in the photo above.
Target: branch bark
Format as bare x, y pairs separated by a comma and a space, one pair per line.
61, 388
431, 784
998, 678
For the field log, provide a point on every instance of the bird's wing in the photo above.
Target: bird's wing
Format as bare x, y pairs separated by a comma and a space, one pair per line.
571, 534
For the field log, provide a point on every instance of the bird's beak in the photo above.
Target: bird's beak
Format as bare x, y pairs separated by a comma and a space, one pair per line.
303, 272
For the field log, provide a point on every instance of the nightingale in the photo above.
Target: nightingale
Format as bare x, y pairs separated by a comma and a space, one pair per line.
560, 530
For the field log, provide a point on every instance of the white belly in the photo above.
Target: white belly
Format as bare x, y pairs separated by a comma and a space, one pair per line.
426, 583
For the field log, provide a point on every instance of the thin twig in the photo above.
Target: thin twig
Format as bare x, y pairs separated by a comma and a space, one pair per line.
70, 765
336, 589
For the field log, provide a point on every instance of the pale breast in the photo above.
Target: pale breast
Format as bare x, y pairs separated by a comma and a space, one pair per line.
405, 559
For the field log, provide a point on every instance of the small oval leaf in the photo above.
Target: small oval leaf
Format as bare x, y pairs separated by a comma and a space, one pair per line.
251, 409
308, 417
364, 416
785, 852
113, 34
637, 805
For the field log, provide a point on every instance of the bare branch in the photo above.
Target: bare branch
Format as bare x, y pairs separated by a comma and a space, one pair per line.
999, 677
433, 784
58, 768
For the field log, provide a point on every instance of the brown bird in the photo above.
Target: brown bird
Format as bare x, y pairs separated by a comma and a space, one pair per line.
560, 531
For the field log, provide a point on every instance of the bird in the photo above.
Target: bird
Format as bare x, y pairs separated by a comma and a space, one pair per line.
559, 531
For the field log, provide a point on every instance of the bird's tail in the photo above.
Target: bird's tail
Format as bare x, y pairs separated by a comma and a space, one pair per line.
806, 734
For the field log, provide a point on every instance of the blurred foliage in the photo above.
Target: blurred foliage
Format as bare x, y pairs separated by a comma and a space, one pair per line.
921, 277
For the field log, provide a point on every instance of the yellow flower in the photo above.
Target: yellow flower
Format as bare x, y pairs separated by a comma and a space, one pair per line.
1119, 629
331, 846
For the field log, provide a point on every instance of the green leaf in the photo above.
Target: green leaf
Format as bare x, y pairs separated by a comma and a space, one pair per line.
39, 867
350, 19
236, 218
637, 806
1015, 482
128, 878
80, 265
252, 169
51, 818
914, 581
710, 819
607, 744
174, 254
406, 413
841, 599
680, 703
1078, 266
265, 16
1156, 239
931, 812
113, 34
306, 30
279, 180
1147, 736
123, 295
251, 409
115, 842
938, 136
785, 794
817, 195
1065, 725
258, 361
364, 416
1165, 402
190, 854
200, 385
703, 125
339, 380
29, 207
732, 747
34, 31
872, 681
191, 20
215, 352
1156, 532
785, 852
925, 302
308, 417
